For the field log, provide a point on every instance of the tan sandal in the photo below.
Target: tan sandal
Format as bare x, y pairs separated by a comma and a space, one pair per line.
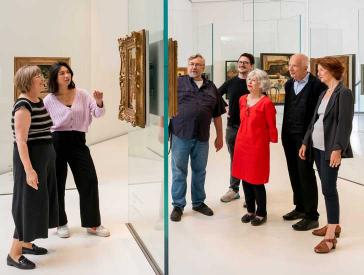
322, 231
322, 247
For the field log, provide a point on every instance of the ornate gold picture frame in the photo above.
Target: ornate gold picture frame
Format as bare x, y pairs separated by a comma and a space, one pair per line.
44, 63
172, 78
132, 78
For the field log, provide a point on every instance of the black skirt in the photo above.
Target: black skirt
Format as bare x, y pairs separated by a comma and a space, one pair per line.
34, 211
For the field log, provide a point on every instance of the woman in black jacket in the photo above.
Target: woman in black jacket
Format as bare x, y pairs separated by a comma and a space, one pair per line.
329, 138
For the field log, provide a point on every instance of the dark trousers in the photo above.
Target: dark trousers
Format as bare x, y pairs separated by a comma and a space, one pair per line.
255, 194
328, 176
231, 133
71, 148
302, 177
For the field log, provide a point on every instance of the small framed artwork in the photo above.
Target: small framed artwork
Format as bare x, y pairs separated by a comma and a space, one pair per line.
231, 69
132, 78
181, 71
172, 78
276, 66
44, 63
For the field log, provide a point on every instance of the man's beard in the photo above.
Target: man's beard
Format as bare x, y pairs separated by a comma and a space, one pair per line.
193, 74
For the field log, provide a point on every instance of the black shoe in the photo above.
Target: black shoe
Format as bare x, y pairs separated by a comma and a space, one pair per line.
23, 263
293, 215
176, 214
204, 209
35, 250
247, 218
305, 224
258, 221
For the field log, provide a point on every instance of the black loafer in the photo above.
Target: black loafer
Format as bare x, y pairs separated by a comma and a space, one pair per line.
23, 263
204, 209
176, 214
258, 221
35, 250
247, 218
293, 215
305, 224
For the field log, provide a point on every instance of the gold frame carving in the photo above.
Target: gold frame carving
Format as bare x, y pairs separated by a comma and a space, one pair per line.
172, 78
44, 63
132, 79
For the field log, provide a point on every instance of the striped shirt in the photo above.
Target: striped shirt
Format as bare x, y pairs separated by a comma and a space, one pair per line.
41, 121
78, 117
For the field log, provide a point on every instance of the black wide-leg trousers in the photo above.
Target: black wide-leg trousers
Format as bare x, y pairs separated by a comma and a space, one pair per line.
71, 149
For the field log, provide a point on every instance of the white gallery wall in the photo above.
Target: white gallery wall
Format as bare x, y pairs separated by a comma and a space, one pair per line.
84, 30
314, 27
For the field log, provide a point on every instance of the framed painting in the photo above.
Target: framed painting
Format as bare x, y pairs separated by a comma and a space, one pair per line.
44, 63
172, 78
132, 78
276, 66
231, 69
348, 61
181, 71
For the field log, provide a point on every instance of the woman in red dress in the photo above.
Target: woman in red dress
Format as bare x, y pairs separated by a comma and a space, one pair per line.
251, 154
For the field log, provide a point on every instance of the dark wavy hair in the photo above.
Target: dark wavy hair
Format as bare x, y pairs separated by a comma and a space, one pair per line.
249, 56
53, 75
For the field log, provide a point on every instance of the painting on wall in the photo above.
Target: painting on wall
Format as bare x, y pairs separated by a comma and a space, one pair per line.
44, 63
231, 69
181, 71
132, 78
172, 78
276, 66
348, 61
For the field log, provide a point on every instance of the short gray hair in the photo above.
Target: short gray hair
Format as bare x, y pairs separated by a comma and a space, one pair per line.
262, 77
197, 55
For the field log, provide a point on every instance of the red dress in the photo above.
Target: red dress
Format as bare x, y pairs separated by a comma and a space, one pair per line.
257, 129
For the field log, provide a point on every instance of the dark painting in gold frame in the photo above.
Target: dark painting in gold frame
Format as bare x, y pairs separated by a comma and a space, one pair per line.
172, 78
44, 63
276, 66
132, 78
181, 71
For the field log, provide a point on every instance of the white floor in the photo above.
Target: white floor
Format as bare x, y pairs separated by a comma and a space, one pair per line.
83, 253
222, 245
198, 244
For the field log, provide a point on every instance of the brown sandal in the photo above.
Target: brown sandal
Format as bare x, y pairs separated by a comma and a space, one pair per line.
322, 247
322, 231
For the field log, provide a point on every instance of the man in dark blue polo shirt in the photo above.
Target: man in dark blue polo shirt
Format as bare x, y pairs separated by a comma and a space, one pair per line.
198, 103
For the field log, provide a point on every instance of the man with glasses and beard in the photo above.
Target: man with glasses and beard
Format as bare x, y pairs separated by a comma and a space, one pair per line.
198, 103
234, 88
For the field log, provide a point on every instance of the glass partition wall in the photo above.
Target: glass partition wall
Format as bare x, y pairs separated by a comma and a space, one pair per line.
145, 145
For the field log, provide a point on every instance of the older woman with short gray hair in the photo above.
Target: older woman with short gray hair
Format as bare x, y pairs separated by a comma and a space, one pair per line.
251, 155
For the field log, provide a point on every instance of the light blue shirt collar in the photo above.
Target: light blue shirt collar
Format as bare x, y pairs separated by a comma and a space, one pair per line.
298, 85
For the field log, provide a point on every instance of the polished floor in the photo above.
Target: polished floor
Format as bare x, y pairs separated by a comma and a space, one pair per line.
82, 253
221, 244
199, 245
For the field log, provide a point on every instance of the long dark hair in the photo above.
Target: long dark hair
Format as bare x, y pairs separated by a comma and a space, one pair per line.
53, 75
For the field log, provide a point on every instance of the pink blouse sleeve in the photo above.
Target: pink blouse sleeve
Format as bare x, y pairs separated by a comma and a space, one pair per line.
95, 110
270, 116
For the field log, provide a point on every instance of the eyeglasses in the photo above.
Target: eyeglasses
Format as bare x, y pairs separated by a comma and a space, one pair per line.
244, 62
195, 64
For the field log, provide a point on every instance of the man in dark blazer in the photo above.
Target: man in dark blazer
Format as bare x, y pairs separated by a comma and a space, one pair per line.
302, 93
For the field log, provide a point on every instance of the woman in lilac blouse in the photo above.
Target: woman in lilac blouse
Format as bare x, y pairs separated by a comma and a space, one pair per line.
71, 110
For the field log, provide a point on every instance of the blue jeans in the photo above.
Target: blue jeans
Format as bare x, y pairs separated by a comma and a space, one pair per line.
231, 133
182, 149
328, 176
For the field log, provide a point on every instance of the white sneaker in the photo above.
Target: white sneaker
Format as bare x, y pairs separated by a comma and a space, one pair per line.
100, 231
63, 231
230, 195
